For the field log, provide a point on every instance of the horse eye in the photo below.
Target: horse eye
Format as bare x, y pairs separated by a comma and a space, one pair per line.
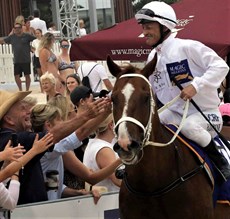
146, 97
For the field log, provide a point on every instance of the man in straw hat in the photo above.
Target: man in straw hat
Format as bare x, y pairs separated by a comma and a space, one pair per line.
15, 118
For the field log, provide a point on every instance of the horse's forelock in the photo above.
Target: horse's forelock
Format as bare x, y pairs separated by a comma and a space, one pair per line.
128, 68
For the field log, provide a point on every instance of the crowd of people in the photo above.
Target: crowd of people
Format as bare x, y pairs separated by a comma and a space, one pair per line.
68, 140
31, 36
43, 144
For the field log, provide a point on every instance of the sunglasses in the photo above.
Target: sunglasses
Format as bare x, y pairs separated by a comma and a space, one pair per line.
65, 46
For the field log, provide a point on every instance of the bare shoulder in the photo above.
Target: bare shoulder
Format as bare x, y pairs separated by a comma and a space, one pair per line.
44, 51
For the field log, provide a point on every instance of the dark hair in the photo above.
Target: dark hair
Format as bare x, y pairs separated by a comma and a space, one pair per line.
63, 40
51, 24
31, 17
36, 13
76, 77
39, 30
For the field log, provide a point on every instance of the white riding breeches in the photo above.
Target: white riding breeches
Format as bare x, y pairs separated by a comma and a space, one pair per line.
195, 126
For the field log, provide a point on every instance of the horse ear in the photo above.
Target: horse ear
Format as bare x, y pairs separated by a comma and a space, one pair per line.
113, 67
150, 67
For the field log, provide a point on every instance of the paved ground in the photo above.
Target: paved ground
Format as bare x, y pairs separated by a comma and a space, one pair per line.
35, 87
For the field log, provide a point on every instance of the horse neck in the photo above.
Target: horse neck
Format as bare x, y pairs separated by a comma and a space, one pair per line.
159, 163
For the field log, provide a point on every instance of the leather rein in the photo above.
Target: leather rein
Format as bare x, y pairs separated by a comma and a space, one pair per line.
147, 131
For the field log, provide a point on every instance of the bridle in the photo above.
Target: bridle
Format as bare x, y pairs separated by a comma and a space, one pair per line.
148, 128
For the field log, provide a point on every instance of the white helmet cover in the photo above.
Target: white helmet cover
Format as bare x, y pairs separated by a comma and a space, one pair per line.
157, 11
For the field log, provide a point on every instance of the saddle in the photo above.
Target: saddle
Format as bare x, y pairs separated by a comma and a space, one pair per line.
221, 192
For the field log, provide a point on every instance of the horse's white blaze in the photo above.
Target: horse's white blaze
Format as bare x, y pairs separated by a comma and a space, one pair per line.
123, 135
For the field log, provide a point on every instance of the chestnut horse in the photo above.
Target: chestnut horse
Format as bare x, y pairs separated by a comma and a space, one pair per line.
159, 182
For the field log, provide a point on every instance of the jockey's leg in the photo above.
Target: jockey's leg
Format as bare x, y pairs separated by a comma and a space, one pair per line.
198, 129
218, 159
169, 117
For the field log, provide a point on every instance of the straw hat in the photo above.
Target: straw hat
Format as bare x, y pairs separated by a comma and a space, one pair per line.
7, 100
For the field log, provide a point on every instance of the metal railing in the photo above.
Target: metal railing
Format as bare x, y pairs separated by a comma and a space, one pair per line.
7, 66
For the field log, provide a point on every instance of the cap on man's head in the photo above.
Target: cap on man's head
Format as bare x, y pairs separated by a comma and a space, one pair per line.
81, 92
7, 100
225, 109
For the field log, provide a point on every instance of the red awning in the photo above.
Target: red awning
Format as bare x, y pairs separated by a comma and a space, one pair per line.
203, 20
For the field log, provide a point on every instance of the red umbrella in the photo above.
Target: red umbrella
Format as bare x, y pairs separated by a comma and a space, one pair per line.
207, 21
121, 41
203, 20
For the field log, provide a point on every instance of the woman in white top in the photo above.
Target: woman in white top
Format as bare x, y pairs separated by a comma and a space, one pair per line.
9, 197
99, 153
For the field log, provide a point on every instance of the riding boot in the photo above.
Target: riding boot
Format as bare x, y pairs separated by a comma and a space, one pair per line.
218, 159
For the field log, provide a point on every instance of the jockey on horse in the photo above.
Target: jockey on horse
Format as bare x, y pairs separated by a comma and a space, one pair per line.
197, 68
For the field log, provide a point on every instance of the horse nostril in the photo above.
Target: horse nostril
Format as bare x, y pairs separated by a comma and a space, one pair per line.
133, 145
116, 147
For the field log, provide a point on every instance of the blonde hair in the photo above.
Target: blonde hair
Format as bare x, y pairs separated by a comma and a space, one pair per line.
46, 41
48, 76
104, 125
62, 103
32, 101
19, 20
42, 113
81, 23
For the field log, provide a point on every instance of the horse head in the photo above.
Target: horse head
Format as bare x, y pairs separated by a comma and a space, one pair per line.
133, 109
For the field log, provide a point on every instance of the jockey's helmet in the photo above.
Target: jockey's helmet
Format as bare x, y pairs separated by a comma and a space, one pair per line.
157, 11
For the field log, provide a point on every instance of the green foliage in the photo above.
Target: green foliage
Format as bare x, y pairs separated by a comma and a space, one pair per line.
44, 7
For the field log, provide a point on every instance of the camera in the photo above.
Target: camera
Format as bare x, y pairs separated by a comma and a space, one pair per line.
103, 93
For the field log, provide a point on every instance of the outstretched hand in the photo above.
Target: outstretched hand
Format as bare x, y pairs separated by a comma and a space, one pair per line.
12, 153
98, 106
43, 144
95, 193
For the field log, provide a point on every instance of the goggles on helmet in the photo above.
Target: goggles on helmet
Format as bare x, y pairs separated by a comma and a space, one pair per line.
150, 13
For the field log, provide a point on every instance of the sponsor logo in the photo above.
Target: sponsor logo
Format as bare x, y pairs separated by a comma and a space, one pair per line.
137, 52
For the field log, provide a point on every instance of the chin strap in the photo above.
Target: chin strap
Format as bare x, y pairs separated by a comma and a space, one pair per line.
163, 35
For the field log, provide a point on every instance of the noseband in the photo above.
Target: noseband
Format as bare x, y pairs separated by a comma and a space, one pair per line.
148, 128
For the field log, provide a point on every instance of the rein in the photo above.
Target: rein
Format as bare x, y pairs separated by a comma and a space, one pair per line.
167, 188
148, 128
147, 131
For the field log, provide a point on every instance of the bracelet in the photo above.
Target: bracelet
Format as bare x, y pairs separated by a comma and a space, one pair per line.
22, 168
15, 175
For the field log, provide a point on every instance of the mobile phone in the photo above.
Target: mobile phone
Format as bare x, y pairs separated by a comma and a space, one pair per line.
14, 139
